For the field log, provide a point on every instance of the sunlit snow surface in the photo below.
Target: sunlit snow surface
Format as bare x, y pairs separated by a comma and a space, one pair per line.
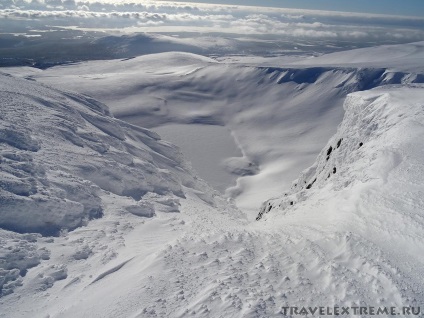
280, 117
348, 232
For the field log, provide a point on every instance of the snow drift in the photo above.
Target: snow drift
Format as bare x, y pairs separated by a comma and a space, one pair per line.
61, 151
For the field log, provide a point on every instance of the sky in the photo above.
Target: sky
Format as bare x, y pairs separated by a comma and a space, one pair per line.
154, 16
392, 7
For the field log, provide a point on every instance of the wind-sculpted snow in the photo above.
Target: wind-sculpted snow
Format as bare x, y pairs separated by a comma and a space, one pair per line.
374, 138
18, 253
61, 151
62, 154
366, 183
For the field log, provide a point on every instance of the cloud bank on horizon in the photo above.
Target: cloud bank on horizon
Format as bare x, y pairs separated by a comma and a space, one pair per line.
161, 16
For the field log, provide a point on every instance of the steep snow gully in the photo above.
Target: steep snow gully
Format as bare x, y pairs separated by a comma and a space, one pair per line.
102, 218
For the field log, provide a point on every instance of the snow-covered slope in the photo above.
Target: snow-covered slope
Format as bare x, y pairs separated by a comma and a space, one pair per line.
62, 155
59, 150
361, 202
348, 233
405, 57
279, 117
143, 43
378, 140
354, 239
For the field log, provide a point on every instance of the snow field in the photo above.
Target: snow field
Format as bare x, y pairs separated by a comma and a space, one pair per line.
347, 233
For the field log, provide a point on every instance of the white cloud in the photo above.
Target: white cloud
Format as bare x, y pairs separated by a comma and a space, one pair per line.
165, 16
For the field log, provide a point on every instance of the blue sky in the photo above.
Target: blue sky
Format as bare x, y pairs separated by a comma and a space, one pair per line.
395, 7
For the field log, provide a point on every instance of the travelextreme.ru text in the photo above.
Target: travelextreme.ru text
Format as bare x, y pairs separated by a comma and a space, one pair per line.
339, 311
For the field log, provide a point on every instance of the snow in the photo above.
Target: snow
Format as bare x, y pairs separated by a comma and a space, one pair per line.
348, 232
279, 117
405, 57
373, 196
205, 146
60, 150
62, 155
18, 253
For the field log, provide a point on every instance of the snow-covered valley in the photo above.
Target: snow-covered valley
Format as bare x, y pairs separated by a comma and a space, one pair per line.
279, 117
100, 217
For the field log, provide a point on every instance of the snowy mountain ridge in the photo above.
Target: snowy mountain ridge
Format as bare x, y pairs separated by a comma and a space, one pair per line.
348, 233
404, 58
362, 200
373, 139
278, 118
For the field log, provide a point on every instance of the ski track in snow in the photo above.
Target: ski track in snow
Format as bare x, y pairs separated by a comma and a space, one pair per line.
349, 232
